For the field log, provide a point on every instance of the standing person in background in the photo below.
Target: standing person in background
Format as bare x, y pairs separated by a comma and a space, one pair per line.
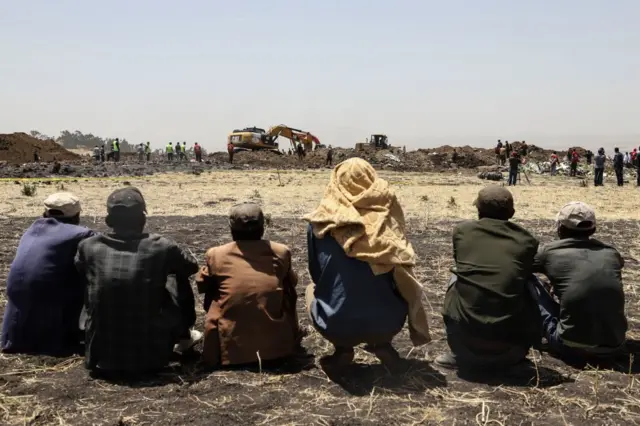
140, 149
554, 164
169, 150
514, 163
598, 170
102, 153
147, 150
524, 149
497, 151
507, 149
627, 159
589, 156
116, 150
329, 157
197, 150
230, 150
96, 153
575, 158
454, 156
618, 166
634, 156
183, 151
503, 156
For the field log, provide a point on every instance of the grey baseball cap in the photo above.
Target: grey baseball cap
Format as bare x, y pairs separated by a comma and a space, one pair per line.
577, 215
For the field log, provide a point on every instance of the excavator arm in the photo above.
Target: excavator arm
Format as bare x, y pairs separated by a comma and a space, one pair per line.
294, 135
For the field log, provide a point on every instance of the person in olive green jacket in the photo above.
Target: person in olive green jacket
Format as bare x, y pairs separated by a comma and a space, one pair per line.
490, 311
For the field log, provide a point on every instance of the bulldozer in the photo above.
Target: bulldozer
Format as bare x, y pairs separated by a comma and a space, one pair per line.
255, 138
375, 142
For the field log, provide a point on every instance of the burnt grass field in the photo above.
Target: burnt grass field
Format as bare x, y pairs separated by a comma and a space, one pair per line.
50, 391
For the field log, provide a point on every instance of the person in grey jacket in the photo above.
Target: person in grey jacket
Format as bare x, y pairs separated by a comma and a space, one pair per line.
599, 161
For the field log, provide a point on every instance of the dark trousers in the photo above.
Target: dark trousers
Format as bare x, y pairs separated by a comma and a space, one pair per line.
116, 156
183, 305
345, 342
598, 176
230, 157
329, 161
550, 313
619, 175
148, 156
472, 351
170, 156
199, 157
513, 176
574, 169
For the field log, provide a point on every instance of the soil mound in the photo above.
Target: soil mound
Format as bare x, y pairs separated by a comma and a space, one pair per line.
18, 148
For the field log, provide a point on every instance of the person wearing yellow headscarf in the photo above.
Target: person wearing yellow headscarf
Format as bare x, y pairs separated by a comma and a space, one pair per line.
361, 264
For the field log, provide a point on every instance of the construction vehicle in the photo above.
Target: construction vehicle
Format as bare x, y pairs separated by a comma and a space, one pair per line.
251, 138
255, 138
374, 142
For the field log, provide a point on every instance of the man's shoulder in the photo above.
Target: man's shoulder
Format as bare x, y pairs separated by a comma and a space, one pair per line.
569, 243
466, 225
502, 226
279, 249
223, 248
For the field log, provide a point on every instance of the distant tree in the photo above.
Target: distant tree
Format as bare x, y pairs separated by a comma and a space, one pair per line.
36, 134
78, 139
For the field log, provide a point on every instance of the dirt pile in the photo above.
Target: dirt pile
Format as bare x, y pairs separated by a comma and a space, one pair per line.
18, 148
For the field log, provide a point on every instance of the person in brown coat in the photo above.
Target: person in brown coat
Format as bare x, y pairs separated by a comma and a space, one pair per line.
249, 295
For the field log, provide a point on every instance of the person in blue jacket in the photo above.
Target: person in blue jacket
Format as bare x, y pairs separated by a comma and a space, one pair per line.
45, 293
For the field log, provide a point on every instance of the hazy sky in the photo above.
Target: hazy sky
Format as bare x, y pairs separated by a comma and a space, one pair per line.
424, 72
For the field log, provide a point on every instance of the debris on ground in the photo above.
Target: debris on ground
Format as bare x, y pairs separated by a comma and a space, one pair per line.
16, 160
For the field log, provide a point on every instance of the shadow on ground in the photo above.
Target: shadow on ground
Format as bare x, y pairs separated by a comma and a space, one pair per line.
409, 377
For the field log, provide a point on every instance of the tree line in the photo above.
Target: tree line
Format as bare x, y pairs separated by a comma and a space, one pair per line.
77, 139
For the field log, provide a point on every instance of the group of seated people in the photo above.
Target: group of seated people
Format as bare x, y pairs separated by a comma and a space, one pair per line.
126, 294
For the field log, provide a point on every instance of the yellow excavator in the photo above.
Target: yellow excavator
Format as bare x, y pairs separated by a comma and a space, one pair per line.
255, 138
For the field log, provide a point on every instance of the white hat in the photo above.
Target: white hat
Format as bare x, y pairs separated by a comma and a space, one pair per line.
64, 202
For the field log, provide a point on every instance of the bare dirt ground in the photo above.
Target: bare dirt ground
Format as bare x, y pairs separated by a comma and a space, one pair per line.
188, 208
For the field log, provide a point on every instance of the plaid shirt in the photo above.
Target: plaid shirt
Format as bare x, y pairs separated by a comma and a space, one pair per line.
132, 323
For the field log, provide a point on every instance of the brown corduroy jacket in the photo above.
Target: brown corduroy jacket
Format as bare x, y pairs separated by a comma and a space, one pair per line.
250, 299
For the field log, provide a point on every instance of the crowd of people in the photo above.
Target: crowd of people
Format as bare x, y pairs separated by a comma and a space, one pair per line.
111, 152
505, 153
177, 152
619, 161
125, 295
